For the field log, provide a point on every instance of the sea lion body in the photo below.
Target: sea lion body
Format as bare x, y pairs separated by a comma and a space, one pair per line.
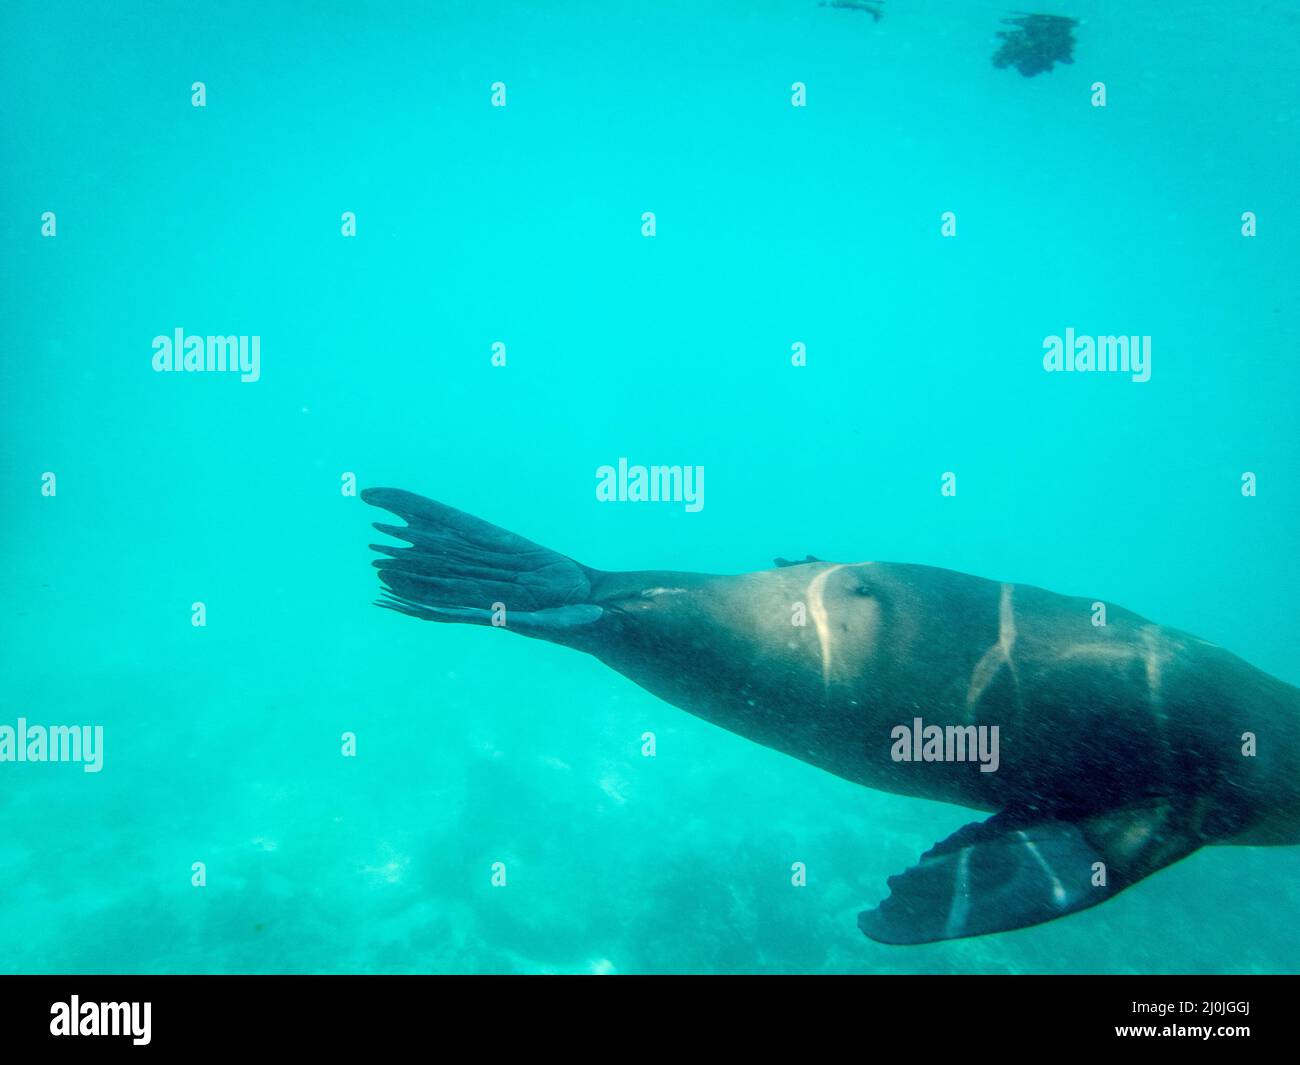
1120, 747
1126, 709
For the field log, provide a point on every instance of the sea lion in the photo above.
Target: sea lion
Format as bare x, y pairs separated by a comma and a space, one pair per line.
1116, 749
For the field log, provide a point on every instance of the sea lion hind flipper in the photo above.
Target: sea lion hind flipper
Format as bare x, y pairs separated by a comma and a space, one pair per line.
459, 567
1016, 870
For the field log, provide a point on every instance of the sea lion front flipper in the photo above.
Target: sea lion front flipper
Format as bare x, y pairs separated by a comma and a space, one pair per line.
1014, 870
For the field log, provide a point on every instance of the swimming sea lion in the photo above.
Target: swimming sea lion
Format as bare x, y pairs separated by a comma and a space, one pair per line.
1105, 752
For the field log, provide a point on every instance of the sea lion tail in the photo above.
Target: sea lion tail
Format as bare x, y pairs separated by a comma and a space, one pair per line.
459, 568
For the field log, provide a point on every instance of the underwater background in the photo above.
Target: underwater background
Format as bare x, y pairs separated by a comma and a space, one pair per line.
522, 225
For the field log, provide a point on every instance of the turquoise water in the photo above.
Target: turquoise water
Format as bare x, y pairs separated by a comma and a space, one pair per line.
522, 225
